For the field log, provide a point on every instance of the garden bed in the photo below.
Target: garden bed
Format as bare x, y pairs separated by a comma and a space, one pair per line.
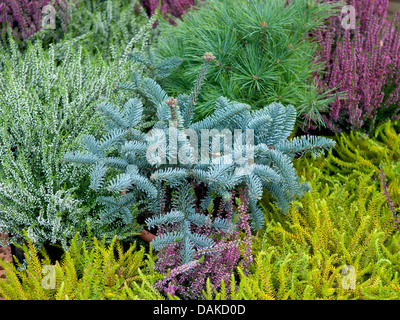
110, 182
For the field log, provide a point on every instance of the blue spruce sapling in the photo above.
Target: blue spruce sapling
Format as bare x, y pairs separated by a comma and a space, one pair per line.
175, 154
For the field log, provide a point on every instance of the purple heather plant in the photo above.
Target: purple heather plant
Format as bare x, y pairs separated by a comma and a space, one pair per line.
175, 8
364, 65
25, 16
217, 263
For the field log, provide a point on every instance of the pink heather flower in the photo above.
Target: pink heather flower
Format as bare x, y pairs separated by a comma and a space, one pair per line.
174, 7
363, 63
216, 263
26, 15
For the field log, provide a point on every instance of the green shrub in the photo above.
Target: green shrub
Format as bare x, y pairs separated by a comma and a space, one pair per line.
109, 27
342, 228
262, 48
122, 161
357, 153
88, 270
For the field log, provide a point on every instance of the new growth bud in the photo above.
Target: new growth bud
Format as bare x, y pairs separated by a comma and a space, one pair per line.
172, 102
208, 56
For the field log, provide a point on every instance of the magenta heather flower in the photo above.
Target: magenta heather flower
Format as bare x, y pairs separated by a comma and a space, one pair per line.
25, 16
216, 263
363, 64
174, 7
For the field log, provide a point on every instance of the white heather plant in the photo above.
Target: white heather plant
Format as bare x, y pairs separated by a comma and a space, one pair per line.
44, 106
110, 27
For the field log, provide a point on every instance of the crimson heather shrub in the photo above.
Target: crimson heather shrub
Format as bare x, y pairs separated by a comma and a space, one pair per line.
362, 66
25, 16
175, 8
233, 249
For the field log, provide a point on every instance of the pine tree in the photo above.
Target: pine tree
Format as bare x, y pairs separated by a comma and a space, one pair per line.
263, 53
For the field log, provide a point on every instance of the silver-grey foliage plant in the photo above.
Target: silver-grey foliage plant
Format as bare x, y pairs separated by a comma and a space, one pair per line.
139, 182
44, 106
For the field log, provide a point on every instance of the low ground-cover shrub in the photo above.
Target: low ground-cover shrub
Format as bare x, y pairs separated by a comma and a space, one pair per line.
44, 106
339, 241
89, 269
357, 153
263, 54
346, 224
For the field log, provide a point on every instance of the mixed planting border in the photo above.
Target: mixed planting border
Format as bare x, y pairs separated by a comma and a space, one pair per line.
109, 190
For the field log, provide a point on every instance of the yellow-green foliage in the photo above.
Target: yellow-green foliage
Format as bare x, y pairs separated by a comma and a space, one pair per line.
89, 270
343, 221
355, 152
347, 224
